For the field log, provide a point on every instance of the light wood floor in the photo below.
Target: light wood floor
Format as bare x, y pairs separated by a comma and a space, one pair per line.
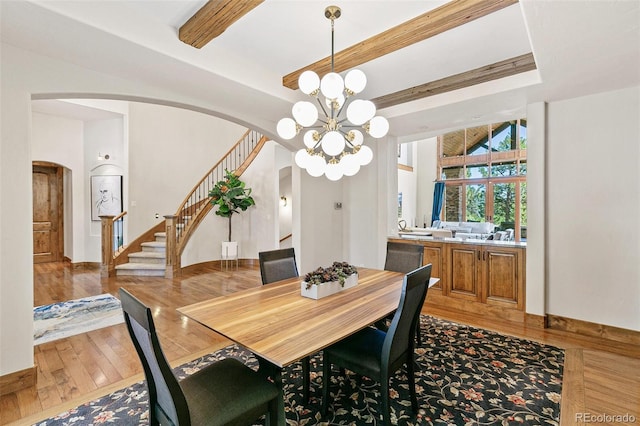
600, 377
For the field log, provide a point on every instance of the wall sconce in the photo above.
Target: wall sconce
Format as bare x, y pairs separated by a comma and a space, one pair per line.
283, 201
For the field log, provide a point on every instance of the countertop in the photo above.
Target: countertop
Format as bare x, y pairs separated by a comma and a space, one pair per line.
420, 236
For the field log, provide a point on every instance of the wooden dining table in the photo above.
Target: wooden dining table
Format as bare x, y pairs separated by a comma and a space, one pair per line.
280, 327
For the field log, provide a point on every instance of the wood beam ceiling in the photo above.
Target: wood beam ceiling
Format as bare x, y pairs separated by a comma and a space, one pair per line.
483, 74
434, 22
213, 19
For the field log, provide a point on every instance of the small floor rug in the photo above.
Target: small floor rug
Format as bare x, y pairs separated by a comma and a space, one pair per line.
64, 319
466, 376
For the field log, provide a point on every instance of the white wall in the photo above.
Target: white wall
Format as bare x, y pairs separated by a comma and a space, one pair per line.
427, 169
101, 137
285, 211
593, 205
536, 275
170, 150
408, 186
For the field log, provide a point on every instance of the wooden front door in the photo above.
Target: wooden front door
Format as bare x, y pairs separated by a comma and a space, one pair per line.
47, 213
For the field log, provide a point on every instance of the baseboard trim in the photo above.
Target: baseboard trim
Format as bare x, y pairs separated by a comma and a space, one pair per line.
215, 264
86, 266
536, 321
18, 380
592, 329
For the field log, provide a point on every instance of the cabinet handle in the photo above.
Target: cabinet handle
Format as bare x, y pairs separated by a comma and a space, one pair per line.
478, 254
484, 255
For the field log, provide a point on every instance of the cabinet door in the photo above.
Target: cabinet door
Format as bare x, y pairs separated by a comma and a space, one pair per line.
503, 277
433, 255
463, 266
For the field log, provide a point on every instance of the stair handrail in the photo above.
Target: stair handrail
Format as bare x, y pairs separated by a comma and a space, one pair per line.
197, 203
194, 207
112, 238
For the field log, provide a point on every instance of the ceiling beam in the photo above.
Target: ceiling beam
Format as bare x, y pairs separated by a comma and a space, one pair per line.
483, 74
429, 24
213, 19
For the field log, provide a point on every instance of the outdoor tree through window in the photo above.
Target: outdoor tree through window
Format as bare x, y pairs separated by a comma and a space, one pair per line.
488, 165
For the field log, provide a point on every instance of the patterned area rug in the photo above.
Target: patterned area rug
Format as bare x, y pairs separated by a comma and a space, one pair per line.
64, 319
466, 376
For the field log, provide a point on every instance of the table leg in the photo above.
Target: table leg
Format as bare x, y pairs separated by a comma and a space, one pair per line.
268, 369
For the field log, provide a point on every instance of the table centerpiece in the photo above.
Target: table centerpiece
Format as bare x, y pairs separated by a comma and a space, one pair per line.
324, 282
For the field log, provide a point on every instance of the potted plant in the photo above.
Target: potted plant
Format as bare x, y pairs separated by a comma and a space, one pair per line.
326, 281
230, 196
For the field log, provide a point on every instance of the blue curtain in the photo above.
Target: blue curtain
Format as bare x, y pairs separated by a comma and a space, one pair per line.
438, 195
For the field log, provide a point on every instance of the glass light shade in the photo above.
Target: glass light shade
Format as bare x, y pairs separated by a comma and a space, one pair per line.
316, 166
358, 138
311, 138
331, 85
360, 111
333, 171
355, 80
308, 82
287, 128
350, 165
340, 101
302, 158
364, 155
305, 113
332, 143
378, 126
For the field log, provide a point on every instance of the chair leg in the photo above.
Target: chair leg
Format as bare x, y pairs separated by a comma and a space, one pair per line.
384, 393
412, 383
326, 378
305, 379
271, 419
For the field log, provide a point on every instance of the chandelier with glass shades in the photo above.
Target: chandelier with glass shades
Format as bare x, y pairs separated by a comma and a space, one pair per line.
333, 139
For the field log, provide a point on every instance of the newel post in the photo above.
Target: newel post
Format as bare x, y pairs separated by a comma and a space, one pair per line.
173, 259
107, 267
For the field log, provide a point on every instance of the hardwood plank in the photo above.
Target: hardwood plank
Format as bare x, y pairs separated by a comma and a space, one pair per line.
572, 386
213, 19
429, 24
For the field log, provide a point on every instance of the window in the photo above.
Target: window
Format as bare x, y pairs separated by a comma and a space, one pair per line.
484, 169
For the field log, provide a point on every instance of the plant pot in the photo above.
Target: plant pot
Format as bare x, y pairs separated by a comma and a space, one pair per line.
319, 291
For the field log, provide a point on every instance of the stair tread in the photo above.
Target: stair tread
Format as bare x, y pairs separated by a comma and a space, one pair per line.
154, 244
153, 254
156, 266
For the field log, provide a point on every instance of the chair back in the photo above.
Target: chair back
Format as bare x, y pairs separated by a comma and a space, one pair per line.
400, 336
167, 402
276, 265
403, 257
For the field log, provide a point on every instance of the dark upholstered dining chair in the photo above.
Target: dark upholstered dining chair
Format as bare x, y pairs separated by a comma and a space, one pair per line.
378, 354
225, 392
403, 257
276, 265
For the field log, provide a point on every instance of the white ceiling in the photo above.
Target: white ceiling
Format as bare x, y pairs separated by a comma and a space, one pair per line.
580, 48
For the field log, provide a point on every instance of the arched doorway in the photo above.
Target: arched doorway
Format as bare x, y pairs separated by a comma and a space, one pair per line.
47, 188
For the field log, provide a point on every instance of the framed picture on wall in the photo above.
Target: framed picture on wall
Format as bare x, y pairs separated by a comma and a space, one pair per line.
106, 196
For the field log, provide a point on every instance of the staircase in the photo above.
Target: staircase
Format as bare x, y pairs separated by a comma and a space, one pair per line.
151, 259
150, 262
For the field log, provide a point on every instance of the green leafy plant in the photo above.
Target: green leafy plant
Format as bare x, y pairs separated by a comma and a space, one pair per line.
338, 271
230, 196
